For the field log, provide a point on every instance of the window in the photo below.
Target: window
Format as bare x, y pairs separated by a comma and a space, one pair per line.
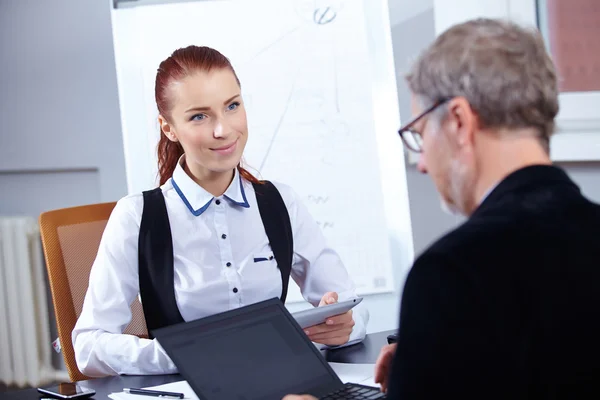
572, 31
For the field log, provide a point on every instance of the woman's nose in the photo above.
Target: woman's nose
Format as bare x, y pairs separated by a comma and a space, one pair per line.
221, 129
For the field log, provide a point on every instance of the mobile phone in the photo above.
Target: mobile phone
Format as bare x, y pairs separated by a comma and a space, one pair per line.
67, 390
392, 338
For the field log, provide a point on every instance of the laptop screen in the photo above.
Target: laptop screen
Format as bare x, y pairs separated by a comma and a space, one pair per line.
252, 353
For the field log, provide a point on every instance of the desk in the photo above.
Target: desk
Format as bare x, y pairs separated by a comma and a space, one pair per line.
365, 352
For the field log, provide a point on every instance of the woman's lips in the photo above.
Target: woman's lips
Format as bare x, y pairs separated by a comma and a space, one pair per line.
226, 150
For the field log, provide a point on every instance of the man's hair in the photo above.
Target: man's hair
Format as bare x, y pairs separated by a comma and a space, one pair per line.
501, 68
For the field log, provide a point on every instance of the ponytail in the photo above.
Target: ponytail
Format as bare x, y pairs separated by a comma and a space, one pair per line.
247, 175
168, 154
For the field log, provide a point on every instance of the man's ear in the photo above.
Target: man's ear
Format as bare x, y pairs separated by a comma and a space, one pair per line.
167, 129
463, 120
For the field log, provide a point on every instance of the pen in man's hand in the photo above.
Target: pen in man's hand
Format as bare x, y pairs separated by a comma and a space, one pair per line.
155, 393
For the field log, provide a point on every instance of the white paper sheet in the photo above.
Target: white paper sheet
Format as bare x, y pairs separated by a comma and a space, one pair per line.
355, 373
177, 387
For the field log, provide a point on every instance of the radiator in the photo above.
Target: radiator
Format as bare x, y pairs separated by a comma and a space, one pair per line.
25, 343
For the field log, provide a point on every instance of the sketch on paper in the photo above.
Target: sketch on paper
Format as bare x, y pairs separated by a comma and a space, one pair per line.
307, 90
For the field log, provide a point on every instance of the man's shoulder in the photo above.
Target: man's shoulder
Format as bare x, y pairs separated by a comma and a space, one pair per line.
519, 228
481, 240
478, 231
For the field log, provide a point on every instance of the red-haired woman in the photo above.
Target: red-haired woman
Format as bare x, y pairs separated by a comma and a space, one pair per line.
211, 238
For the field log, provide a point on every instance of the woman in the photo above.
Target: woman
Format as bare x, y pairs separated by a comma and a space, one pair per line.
199, 244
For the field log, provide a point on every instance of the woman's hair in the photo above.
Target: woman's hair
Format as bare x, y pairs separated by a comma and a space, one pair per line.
182, 63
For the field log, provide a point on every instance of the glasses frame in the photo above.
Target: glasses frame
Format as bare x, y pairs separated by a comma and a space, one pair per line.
407, 128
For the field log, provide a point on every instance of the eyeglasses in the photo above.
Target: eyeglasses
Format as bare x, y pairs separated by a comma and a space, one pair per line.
412, 139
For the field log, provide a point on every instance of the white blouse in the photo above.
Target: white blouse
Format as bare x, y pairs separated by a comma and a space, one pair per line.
222, 261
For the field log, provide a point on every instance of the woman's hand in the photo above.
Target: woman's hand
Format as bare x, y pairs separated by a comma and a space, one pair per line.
336, 330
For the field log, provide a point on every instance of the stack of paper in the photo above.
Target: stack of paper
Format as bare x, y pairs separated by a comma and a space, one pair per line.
354, 373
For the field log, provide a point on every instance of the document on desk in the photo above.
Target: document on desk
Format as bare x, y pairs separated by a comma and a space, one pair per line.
355, 373
177, 387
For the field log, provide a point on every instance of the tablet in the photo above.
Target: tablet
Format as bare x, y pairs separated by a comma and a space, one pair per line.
318, 315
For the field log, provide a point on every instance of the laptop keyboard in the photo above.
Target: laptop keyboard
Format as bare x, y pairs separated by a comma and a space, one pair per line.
353, 391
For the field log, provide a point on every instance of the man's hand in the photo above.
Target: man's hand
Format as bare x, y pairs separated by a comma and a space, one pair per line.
383, 366
298, 397
336, 330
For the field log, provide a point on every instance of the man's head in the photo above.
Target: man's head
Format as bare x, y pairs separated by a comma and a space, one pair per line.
489, 92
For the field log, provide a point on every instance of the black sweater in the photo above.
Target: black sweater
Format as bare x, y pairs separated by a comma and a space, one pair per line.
508, 304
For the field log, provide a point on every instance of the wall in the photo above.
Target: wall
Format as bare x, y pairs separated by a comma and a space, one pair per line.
587, 176
412, 30
60, 135
61, 141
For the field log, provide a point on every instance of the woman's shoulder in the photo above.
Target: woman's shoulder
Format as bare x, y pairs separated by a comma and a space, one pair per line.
284, 189
127, 211
131, 206
290, 197
288, 194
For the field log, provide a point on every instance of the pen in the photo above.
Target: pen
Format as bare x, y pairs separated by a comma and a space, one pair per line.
155, 393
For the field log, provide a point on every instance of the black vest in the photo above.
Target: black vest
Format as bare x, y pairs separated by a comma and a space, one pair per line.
155, 252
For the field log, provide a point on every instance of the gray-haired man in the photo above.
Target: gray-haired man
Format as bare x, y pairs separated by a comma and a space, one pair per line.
507, 305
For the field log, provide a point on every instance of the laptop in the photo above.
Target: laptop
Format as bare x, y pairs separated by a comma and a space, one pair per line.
257, 352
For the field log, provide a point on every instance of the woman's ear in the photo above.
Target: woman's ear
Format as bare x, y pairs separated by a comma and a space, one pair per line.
167, 129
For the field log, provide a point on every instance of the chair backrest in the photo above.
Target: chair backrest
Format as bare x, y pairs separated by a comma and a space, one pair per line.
70, 238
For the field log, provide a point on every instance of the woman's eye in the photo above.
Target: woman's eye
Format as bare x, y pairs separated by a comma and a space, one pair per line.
198, 117
233, 105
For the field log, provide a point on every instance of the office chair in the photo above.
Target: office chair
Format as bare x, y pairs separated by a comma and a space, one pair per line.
70, 238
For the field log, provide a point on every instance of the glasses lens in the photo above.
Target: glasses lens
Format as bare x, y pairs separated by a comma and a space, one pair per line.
413, 140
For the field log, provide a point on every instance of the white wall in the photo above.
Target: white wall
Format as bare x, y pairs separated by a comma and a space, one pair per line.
60, 135
60, 142
58, 104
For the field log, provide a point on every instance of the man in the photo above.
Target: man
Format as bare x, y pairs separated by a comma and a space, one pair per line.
508, 304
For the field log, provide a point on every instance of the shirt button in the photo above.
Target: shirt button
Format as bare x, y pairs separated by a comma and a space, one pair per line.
218, 202
235, 290
228, 264
223, 236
